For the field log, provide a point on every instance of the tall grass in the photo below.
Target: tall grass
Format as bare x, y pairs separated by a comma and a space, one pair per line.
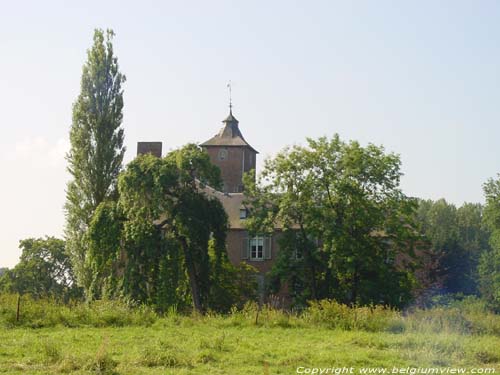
468, 317
453, 319
331, 314
38, 313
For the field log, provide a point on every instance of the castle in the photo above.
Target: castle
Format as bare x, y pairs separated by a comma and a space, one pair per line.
229, 150
234, 156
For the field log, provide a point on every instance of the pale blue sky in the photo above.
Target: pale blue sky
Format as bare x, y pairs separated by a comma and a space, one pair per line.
422, 78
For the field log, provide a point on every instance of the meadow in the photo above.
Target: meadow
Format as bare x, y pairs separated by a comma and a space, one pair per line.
109, 337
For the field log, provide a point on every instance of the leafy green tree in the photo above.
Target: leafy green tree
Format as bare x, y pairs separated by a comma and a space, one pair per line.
230, 285
104, 238
161, 198
489, 264
97, 150
457, 238
344, 219
164, 241
44, 270
473, 237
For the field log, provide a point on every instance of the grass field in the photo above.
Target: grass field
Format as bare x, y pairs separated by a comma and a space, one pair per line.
234, 344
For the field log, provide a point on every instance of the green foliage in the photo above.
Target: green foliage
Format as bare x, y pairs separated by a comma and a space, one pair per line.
168, 228
372, 318
344, 217
163, 242
49, 312
489, 265
44, 270
97, 150
468, 316
104, 249
233, 286
489, 279
457, 238
113, 337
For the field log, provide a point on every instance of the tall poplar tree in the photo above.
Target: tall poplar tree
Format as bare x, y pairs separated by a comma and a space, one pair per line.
97, 150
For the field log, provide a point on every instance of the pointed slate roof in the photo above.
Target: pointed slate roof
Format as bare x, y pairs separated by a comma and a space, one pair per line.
229, 135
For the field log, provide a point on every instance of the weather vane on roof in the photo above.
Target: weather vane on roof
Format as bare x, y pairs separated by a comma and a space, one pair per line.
230, 97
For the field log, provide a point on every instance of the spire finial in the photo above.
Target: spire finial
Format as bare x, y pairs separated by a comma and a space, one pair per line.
230, 98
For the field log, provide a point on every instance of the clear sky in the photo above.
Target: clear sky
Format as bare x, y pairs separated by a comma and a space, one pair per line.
419, 77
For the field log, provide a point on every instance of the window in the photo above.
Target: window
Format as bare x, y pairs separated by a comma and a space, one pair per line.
223, 154
256, 248
243, 213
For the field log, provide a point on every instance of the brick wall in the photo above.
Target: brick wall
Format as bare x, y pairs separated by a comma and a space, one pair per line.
153, 148
237, 161
235, 243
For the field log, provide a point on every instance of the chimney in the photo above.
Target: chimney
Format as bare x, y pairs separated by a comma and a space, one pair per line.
153, 148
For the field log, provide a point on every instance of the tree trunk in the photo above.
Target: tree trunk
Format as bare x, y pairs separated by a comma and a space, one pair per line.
193, 282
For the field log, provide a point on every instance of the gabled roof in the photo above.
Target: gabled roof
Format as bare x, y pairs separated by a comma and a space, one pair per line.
232, 203
229, 135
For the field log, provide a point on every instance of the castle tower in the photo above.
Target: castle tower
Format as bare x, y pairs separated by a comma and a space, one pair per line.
231, 153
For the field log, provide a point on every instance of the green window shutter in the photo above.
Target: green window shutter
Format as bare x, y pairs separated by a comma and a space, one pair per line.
245, 248
267, 247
